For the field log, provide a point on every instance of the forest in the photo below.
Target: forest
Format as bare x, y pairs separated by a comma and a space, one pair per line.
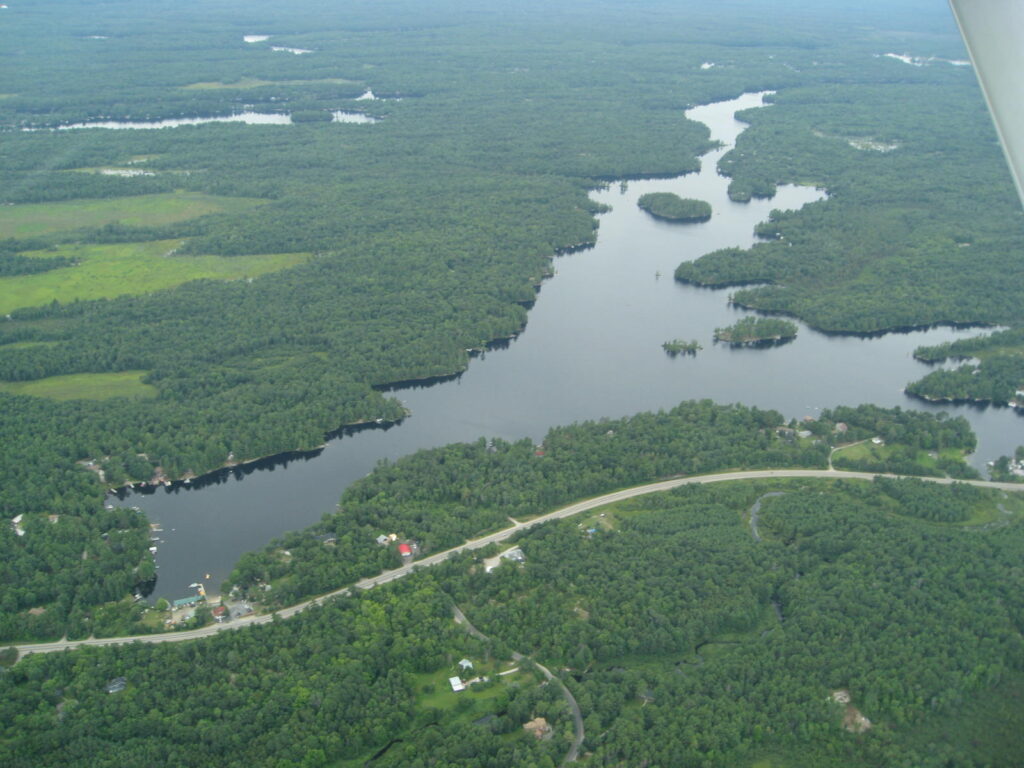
921, 225
403, 246
708, 626
672, 207
756, 331
997, 377
441, 497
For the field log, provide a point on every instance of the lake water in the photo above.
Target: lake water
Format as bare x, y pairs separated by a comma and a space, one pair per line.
592, 348
249, 118
351, 117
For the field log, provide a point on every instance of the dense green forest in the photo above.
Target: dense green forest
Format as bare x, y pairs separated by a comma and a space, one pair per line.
757, 331
424, 236
926, 231
671, 207
709, 626
998, 377
1000, 342
440, 497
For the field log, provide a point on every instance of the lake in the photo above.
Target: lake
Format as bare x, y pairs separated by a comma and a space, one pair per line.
248, 118
591, 348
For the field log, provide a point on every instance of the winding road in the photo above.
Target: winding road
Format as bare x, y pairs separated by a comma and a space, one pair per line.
574, 708
483, 541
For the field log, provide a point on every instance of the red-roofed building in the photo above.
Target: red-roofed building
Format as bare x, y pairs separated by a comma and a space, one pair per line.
405, 550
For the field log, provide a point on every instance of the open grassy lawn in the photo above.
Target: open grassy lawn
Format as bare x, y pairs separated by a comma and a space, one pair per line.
84, 386
105, 271
433, 690
34, 219
868, 451
255, 82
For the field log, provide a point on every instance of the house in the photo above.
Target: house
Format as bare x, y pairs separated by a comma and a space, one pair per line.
515, 554
538, 727
842, 427
383, 540
877, 441
16, 522
404, 550
117, 685
456, 684
185, 602
466, 665
220, 612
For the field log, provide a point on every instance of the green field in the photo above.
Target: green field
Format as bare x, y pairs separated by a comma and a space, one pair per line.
868, 451
255, 82
106, 271
34, 219
84, 386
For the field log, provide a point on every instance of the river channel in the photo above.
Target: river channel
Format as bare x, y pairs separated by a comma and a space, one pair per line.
592, 348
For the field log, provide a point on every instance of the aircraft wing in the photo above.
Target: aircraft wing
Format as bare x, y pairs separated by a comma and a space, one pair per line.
994, 33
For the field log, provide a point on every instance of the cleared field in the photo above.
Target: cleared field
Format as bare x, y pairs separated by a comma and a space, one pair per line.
106, 271
84, 386
253, 82
33, 219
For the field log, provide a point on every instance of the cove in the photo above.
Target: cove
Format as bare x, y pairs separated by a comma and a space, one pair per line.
591, 348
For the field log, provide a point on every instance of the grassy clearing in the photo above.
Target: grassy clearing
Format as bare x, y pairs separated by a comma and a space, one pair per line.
34, 219
999, 509
106, 271
255, 82
26, 345
868, 451
434, 692
84, 386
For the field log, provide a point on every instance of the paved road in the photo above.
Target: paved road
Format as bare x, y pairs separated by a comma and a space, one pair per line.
505, 533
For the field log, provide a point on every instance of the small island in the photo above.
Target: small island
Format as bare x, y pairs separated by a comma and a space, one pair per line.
680, 347
670, 207
757, 332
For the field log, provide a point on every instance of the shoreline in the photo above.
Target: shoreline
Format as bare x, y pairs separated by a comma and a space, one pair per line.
247, 466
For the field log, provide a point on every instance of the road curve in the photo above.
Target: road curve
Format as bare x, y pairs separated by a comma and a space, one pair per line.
483, 541
577, 716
